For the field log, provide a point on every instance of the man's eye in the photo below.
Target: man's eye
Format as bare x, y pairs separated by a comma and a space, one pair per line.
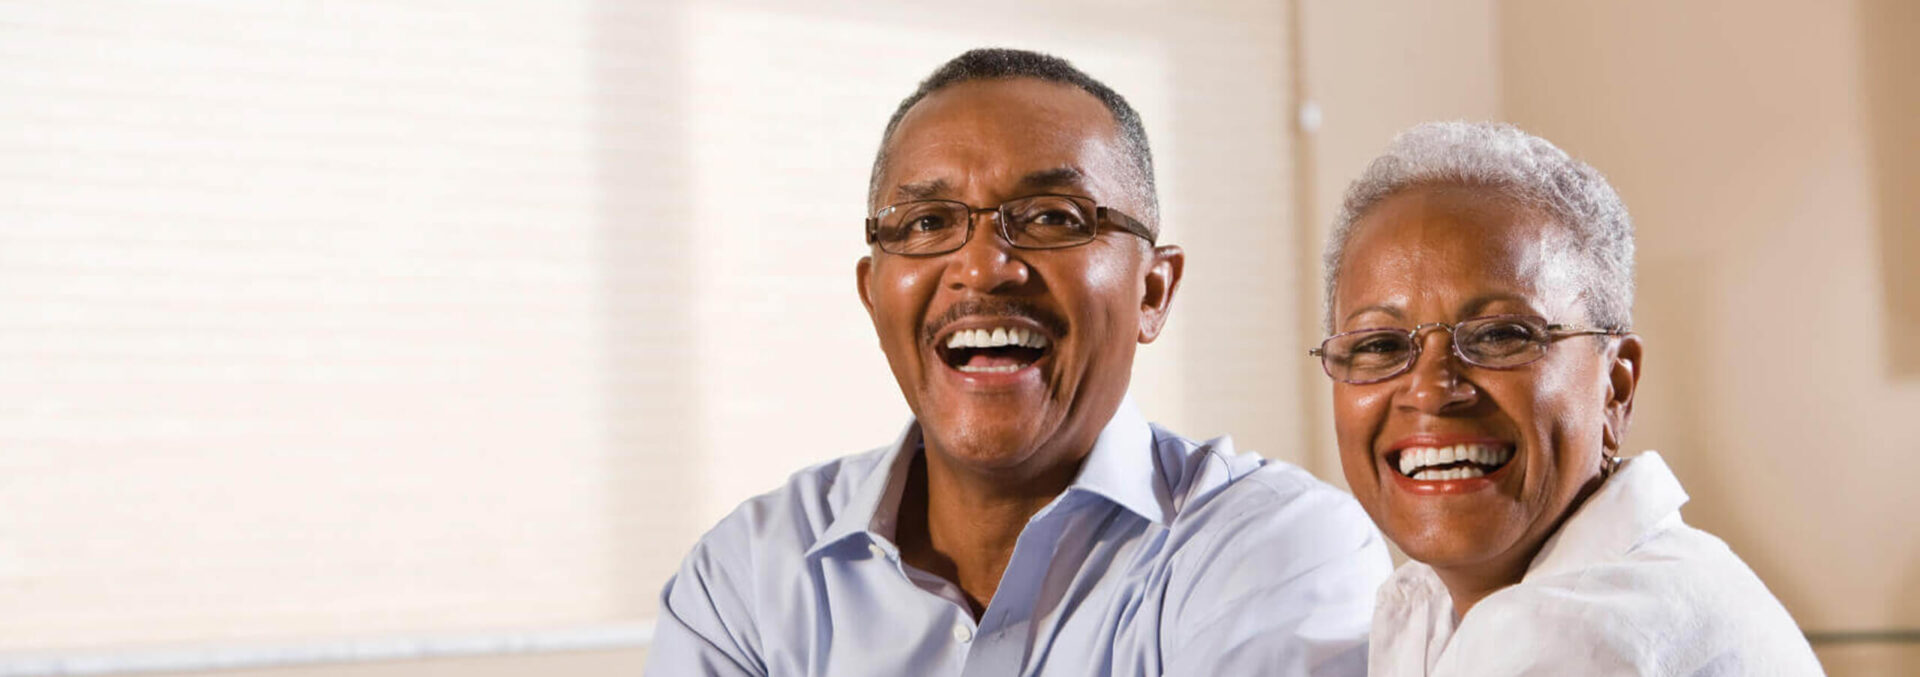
1056, 218
928, 222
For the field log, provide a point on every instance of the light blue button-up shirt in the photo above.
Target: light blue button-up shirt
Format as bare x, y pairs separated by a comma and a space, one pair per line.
1164, 556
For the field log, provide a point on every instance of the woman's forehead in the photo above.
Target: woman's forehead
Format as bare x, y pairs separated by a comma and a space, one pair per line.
1455, 253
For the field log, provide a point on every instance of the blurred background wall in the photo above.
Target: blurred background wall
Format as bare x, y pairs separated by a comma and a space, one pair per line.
355, 338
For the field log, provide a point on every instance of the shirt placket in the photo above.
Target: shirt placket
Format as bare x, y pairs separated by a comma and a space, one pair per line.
998, 642
885, 553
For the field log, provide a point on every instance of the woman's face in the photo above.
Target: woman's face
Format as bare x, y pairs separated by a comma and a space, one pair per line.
1446, 254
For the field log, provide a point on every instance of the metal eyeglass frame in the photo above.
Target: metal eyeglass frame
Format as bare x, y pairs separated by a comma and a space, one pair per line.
1101, 214
1554, 332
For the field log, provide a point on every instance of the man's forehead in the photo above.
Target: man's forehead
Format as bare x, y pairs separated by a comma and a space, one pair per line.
1064, 178
1002, 135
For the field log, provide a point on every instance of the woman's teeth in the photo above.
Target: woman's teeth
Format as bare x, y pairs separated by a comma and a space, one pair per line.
1457, 462
1432, 474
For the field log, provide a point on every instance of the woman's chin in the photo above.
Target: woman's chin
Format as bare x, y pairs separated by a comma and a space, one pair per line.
1450, 541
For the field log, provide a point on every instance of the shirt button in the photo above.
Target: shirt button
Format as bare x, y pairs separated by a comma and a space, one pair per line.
962, 633
878, 552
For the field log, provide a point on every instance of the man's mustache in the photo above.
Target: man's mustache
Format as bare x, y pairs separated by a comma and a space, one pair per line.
992, 308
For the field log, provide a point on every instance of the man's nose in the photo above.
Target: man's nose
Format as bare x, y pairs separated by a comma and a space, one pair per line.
1434, 382
987, 262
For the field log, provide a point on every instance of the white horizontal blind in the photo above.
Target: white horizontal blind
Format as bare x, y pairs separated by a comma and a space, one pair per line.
304, 325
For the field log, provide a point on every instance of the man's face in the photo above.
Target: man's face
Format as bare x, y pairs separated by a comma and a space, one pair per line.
1016, 410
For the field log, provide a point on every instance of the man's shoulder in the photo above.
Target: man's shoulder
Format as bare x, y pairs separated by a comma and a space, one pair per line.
1213, 479
793, 516
1269, 510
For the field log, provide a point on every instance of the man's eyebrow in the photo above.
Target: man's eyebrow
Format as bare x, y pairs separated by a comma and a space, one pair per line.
923, 190
1058, 177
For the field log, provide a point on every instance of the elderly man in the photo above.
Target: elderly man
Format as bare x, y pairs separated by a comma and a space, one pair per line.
1029, 521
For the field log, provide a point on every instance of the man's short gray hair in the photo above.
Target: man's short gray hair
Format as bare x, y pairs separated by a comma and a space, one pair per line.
1517, 166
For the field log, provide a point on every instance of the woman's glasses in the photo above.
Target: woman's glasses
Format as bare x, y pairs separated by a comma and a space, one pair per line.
1494, 342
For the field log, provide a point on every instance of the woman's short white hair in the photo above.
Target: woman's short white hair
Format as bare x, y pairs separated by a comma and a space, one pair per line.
1517, 166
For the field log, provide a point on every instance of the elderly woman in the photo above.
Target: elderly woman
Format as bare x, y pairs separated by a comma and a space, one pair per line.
1479, 295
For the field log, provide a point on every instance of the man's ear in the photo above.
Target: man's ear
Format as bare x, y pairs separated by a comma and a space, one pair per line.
1623, 378
862, 272
1163, 279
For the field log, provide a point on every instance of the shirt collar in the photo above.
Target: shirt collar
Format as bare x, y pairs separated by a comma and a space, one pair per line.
1631, 504
875, 502
1121, 468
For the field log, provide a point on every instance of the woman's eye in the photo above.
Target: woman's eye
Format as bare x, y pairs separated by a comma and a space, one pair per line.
1380, 346
1501, 340
1505, 333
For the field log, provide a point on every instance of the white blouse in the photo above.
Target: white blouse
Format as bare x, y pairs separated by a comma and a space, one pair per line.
1624, 588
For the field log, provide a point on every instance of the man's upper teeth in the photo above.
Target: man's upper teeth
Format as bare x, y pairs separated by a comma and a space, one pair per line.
1414, 458
996, 337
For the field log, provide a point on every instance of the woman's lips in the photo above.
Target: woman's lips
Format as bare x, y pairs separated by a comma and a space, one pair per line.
1451, 464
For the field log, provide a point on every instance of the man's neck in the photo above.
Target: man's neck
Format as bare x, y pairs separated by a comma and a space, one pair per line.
962, 526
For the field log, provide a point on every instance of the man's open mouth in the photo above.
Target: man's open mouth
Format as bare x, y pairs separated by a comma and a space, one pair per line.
1456, 462
995, 350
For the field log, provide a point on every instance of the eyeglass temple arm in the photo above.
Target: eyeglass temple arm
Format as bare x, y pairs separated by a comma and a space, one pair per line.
1564, 330
1126, 223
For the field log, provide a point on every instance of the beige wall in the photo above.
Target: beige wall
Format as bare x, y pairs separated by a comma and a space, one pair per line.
1890, 35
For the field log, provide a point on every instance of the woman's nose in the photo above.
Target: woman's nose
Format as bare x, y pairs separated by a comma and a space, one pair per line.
1434, 383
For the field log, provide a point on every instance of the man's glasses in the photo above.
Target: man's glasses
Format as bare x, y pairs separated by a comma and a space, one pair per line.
1495, 342
930, 227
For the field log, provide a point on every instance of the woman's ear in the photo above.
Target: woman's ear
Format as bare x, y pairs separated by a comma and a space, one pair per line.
1623, 378
1163, 279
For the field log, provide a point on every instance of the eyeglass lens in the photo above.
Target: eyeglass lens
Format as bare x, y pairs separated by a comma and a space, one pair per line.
1493, 342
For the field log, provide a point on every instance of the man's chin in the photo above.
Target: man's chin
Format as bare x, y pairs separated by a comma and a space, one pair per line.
984, 443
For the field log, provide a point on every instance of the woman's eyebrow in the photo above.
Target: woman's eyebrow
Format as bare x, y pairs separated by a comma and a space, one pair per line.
1376, 308
1477, 306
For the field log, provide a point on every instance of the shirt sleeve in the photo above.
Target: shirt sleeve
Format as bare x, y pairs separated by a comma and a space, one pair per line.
1281, 587
706, 622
